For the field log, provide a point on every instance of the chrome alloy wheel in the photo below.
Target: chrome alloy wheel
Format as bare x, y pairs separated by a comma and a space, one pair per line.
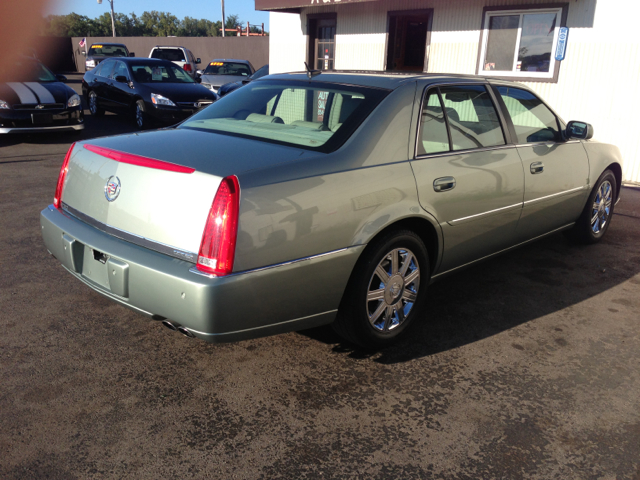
601, 207
139, 115
393, 289
93, 103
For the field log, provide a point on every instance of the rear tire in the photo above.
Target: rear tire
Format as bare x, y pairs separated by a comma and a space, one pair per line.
386, 291
94, 106
598, 212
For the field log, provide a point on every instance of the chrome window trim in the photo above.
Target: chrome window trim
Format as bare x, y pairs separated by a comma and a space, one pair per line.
468, 150
139, 240
564, 192
482, 83
458, 221
547, 144
268, 267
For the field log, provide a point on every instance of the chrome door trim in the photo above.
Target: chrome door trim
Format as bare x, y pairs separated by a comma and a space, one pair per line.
559, 194
458, 221
159, 247
268, 267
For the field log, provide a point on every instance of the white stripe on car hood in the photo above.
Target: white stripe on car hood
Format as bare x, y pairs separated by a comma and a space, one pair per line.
25, 95
44, 94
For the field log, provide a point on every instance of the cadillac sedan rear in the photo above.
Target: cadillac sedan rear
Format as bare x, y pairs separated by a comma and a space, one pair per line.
184, 225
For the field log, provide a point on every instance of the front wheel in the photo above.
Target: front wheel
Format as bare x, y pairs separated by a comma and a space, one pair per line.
596, 216
94, 107
386, 291
140, 115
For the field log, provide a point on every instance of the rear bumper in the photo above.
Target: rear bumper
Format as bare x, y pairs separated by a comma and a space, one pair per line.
292, 296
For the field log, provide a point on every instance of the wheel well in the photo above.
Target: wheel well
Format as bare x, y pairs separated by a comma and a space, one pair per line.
424, 229
617, 172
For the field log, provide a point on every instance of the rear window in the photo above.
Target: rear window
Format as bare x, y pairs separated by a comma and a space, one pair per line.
228, 68
318, 117
171, 54
108, 51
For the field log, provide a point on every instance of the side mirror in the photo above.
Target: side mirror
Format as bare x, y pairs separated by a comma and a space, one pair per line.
581, 130
198, 79
198, 61
84, 53
199, 73
61, 78
132, 54
122, 79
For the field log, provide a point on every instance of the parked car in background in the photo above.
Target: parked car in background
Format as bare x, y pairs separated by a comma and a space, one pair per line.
181, 56
99, 52
225, 70
230, 87
148, 89
339, 197
33, 99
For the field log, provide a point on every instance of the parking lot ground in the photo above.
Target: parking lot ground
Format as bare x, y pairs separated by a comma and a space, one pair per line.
525, 366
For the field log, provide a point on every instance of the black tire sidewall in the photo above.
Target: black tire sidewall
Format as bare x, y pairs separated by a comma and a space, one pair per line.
365, 334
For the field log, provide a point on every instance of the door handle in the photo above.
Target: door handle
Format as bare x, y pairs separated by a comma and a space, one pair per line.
443, 184
537, 167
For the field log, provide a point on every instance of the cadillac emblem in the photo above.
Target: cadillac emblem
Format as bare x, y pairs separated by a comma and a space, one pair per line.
112, 188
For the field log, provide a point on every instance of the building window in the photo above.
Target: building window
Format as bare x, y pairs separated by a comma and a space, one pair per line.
520, 43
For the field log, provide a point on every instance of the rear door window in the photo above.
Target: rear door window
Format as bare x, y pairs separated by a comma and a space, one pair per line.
458, 117
473, 120
532, 119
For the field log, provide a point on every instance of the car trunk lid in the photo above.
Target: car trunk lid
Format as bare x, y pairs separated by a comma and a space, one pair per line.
157, 188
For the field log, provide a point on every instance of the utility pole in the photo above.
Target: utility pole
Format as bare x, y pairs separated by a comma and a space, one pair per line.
223, 23
113, 23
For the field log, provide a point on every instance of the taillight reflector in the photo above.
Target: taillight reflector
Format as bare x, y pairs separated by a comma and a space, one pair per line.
138, 160
57, 198
218, 246
187, 67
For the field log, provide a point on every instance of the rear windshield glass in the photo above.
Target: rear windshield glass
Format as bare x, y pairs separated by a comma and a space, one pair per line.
154, 73
318, 116
228, 68
108, 51
171, 54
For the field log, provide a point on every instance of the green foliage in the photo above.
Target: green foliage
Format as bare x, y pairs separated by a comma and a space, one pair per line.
149, 24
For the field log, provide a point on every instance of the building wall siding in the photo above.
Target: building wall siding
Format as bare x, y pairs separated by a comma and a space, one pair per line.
598, 82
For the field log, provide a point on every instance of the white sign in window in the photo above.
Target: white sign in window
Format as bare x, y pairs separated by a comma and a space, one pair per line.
520, 43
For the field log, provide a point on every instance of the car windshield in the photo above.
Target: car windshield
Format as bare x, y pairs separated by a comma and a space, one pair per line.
261, 72
108, 51
171, 54
164, 73
228, 68
317, 117
25, 70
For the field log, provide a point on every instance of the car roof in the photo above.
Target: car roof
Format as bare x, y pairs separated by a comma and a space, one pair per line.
378, 79
170, 46
138, 59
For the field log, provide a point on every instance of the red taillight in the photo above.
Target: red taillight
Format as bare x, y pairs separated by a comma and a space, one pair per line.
187, 67
57, 198
218, 245
138, 160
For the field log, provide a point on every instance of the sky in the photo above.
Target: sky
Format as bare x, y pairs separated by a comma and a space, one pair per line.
209, 9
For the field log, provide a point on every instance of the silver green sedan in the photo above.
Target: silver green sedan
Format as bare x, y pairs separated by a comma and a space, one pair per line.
334, 199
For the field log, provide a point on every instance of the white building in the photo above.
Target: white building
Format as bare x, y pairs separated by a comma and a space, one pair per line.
598, 81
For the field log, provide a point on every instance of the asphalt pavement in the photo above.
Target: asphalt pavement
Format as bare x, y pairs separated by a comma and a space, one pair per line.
525, 366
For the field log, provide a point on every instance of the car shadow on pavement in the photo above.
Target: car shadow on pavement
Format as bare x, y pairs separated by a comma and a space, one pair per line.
542, 278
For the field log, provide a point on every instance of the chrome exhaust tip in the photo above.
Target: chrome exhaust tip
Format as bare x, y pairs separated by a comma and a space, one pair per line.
169, 325
186, 332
